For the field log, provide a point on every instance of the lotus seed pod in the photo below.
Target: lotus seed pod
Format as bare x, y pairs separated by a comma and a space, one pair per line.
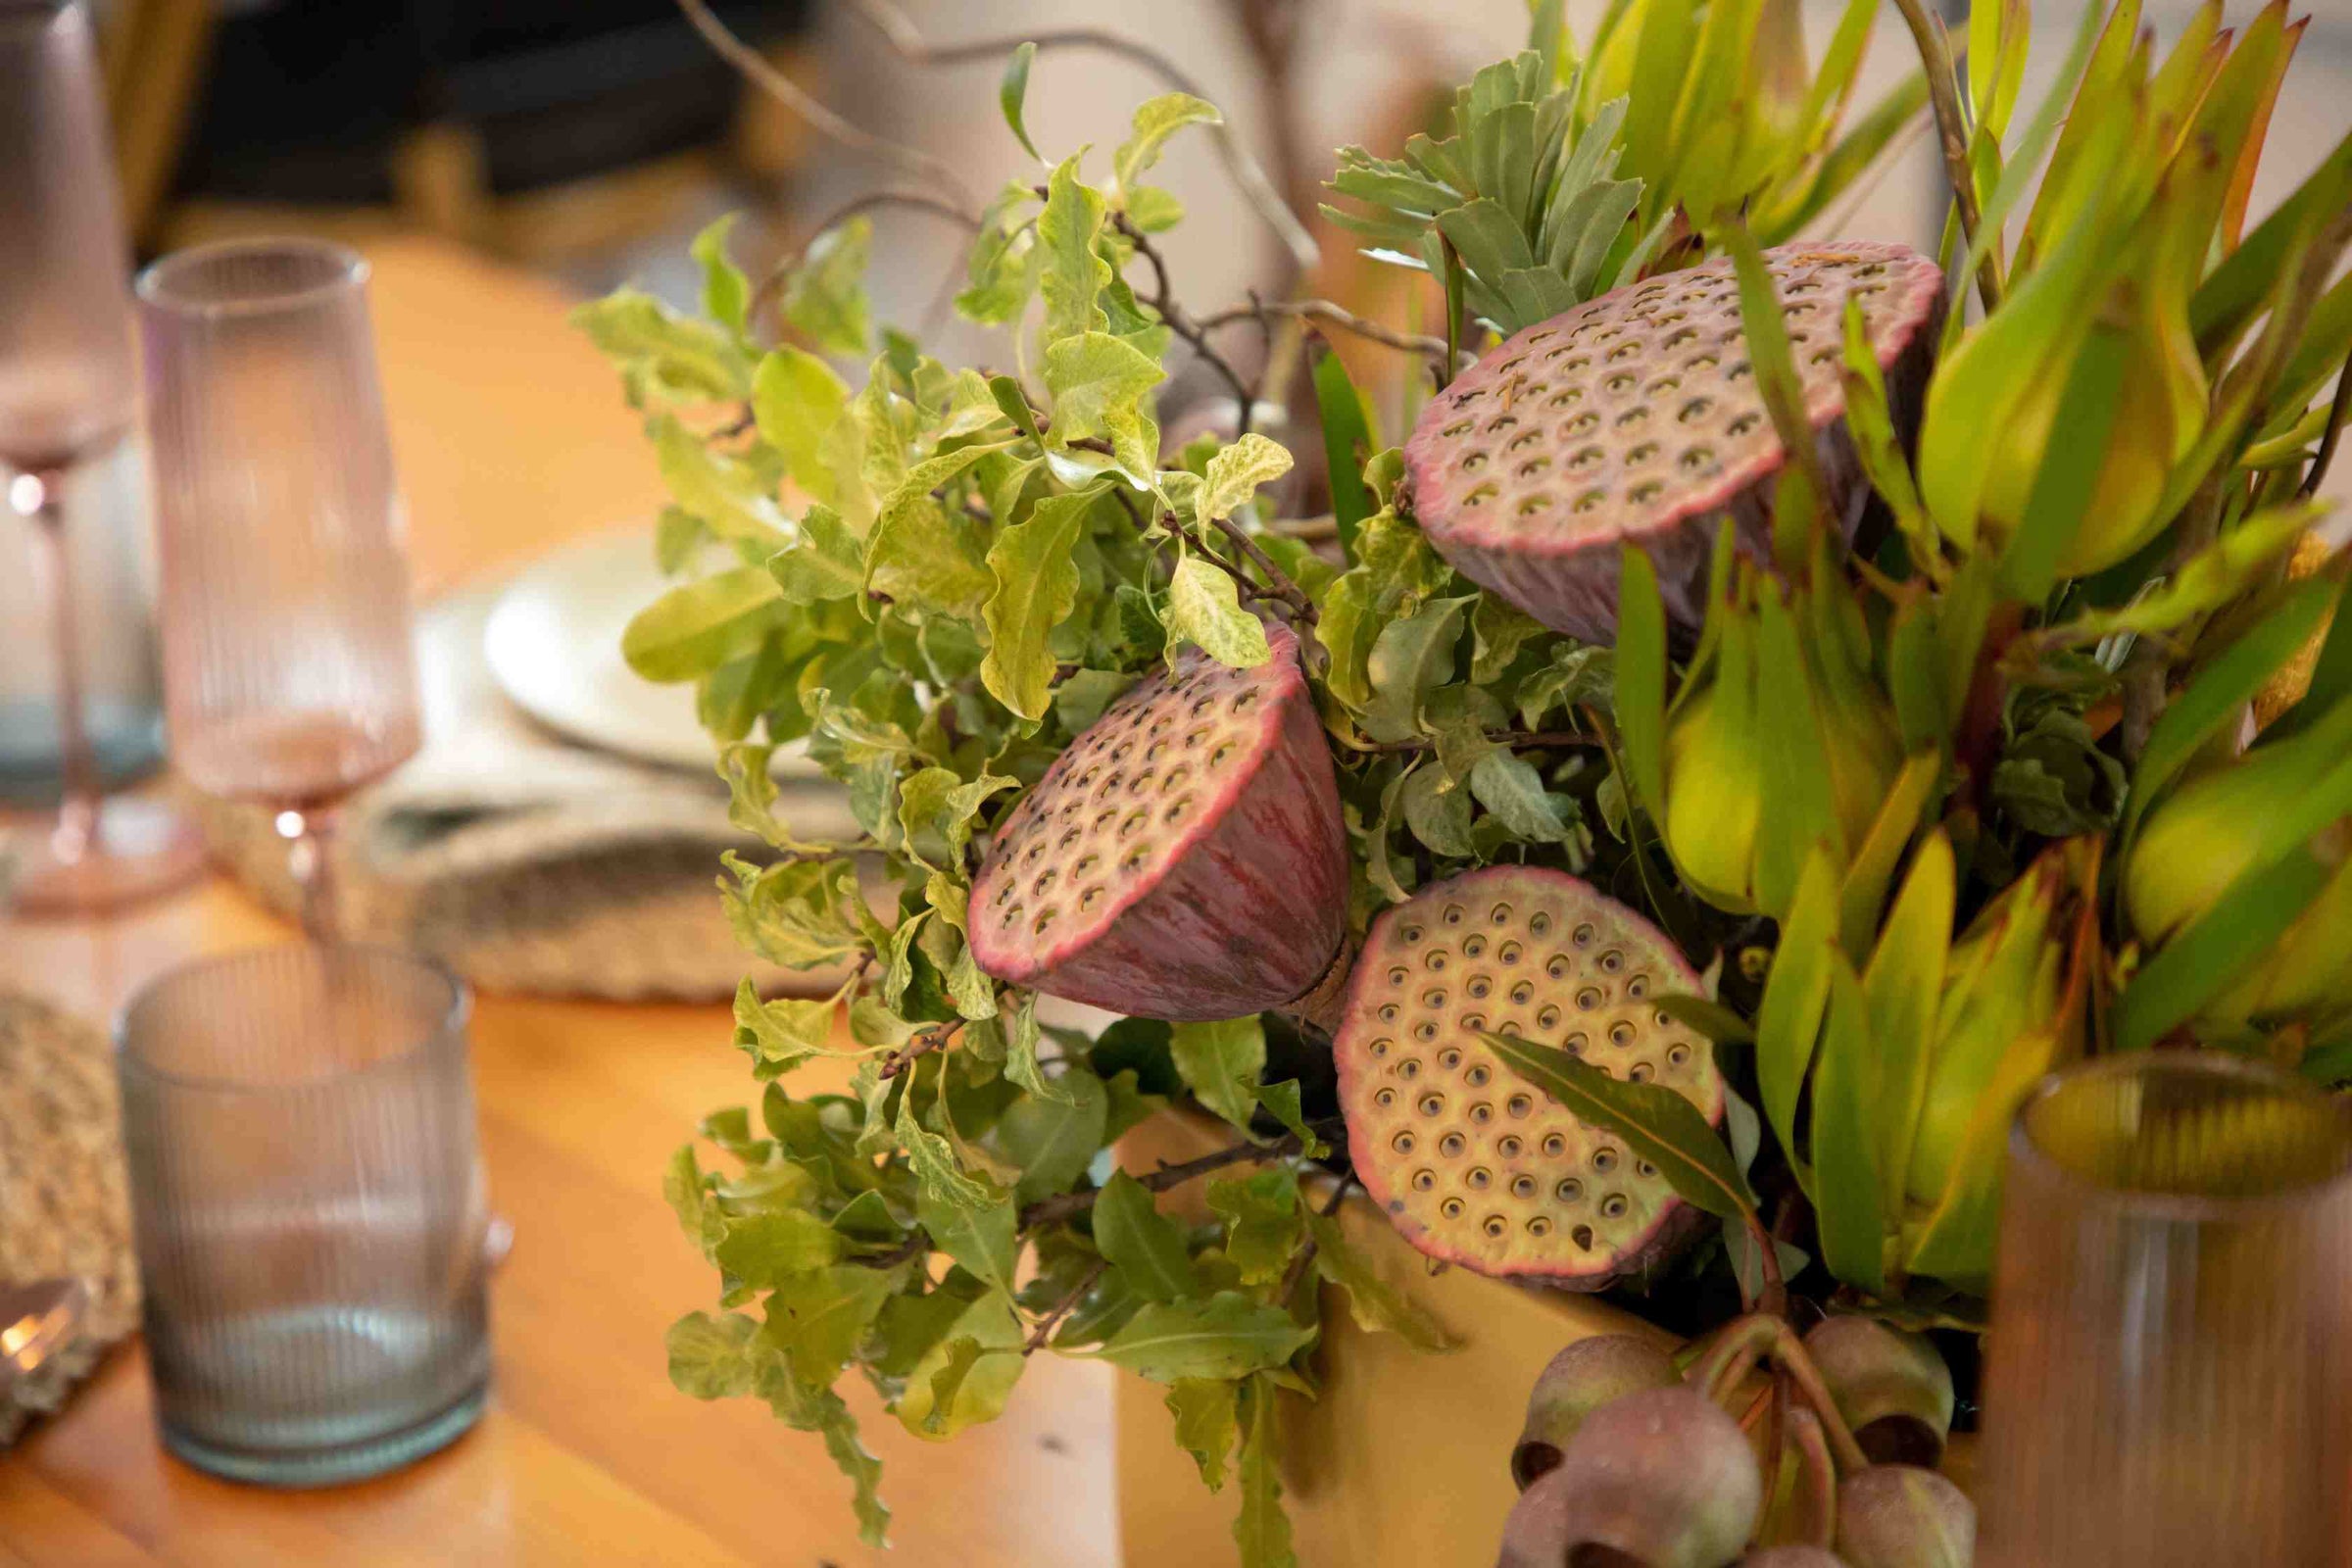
1636, 418
1792, 1557
1891, 1388
1184, 858
1576, 1382
1473, 1164
2210, 832
1658, 1479
1901, 1516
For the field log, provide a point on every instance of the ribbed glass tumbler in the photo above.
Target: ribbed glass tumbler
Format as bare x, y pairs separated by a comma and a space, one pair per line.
299, 1123
2169, 1377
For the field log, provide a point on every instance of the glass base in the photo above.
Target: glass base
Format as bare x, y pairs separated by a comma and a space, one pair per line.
126, 743
142, 849
336, 1465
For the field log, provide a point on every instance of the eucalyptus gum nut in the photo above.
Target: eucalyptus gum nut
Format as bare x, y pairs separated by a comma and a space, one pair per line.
1635, 419
1656, 1479
1792, 1557
1901, 1516
1471, 1163
1578, 1381
1892, 1388
1184, 858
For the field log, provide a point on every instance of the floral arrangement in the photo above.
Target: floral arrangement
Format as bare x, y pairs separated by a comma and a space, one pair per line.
1779, 698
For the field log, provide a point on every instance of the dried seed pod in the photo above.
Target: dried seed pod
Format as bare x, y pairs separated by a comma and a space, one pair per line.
1576, 1382
1900, 1516
1658, 1479
1183, 859
1892, 1389
1473, 1164
1636, 418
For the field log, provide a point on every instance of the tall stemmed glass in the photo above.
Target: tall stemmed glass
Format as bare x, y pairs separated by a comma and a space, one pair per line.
289, 671
66, 395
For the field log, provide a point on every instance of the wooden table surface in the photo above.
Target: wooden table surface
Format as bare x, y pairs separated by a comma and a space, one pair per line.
511, 435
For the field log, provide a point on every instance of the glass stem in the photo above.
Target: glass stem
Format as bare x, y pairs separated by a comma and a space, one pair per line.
312, 855
76, 826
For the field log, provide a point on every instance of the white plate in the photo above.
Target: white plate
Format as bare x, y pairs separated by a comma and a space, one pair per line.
553, 645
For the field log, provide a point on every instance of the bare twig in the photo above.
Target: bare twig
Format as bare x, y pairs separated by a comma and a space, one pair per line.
1063, 1308
1065, 1205
763, 74
790, 262
1327, 313
1162, 300
907, 42
916, 1244
2336, 412
1943, 92
922, 1044
1305, 1256
1284, 592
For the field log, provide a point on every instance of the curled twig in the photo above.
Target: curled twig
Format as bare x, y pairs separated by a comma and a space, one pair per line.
762, 73
908, 42
1067, 1206
1944, 93
1328, 313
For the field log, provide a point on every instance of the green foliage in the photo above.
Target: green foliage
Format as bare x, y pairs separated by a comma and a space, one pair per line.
1895, 797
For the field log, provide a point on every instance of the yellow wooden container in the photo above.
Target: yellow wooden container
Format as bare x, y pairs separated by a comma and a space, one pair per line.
1405, 1460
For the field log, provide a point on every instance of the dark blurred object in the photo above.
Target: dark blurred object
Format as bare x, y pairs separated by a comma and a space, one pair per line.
526, 126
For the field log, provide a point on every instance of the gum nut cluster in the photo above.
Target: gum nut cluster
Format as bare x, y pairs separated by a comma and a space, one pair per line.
1660, 1479
1473, 1164
1636, 416
1184, 858
1892, 1389
1576, 1382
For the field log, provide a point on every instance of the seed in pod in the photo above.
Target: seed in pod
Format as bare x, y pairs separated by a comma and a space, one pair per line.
1658, 1479
1891, 1388
1901, 1516
1182, 858
1576, 1382
1472, 1163
1636, 418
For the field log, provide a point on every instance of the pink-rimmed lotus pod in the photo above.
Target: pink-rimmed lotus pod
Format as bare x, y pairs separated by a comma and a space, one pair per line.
1636, 418
1473, 1164
1184, 858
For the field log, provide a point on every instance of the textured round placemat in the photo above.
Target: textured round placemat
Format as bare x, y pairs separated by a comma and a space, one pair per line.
64, 1204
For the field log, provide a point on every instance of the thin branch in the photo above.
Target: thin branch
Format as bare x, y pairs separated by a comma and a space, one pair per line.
1065, 1205
1164, 300
1284, 590
1516, 739
916, 1244
1329, 315
908, 43
790, 262
2336, 412
933, 1039
1943, 92
1063, 1308
1306, 1256
763, 74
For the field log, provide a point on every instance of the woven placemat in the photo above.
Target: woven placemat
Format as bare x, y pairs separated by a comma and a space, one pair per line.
529, 864
63, 1202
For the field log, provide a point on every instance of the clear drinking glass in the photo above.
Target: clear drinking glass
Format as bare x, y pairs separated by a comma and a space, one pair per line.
67, 396
299, 1127
2169, 1376
289, 672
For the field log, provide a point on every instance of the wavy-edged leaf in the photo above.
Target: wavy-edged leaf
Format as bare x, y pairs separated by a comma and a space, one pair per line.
697, 626
796, 401
1036, 570
1221, 1063
1378, 1306
984, 1240
1226, 1335
1260, 1528
1204, 607
1142, 1243
1013, 92
1207, 1423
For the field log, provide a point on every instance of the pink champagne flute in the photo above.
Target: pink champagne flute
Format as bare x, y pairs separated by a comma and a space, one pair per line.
289, 666
67, 396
